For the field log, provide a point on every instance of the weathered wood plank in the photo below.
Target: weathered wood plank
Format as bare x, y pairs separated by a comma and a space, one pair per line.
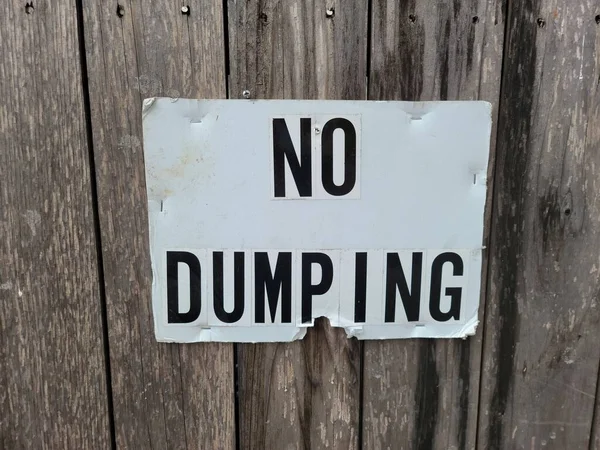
165, 395
423, 394
595, 439
52, 371
542, 326
303, 394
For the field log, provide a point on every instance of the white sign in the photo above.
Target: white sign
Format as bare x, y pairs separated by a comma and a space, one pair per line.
265, 215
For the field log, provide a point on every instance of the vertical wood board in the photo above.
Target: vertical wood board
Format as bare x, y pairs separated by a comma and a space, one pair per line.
595, 435
423, 394
164, 395
541, 348
304, 394
52, 370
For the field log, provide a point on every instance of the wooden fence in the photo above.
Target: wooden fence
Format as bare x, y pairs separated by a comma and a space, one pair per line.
79, 365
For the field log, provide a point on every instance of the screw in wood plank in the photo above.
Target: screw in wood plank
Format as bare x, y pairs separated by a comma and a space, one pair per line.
185, 10
475, 19
330, 12
29, 8
120, 10
412, 18
541, 23
597, 19
246, 93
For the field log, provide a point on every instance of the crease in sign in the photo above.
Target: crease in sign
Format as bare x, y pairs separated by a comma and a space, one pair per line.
385, 244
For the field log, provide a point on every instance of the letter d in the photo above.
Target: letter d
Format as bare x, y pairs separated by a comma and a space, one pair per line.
173, 260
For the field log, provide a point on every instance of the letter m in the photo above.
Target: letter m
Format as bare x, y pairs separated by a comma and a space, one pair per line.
273, 284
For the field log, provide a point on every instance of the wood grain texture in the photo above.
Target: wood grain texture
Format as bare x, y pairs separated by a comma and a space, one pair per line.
595, 435
542, 326
52, 369
165, 396
304, 394
422, 394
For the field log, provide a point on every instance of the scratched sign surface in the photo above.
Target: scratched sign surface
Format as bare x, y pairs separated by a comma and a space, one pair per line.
265, 215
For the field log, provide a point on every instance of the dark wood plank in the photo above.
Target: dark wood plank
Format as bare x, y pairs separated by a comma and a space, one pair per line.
304, 394
595, 439
542, 327
52, 371
165, 395
423, 394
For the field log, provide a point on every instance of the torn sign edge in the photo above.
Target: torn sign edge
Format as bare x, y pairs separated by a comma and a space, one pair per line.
253, 334
147, 105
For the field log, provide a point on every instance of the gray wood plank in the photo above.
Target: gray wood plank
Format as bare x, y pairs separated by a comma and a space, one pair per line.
423, 394
52, 370
165, 395
304, 394
541, 343
595, 435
